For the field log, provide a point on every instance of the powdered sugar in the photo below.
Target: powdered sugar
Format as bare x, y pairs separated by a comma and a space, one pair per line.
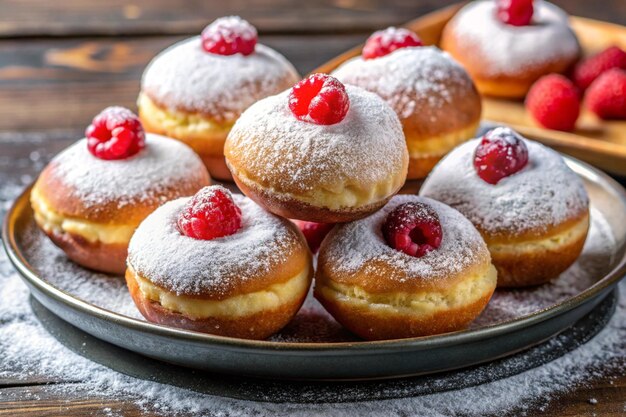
185, 77
161, 165
363, 150
545, 193
424, 74
360, 245
510, 50
189, 266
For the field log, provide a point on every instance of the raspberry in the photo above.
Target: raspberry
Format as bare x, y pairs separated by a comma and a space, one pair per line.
386, 41
413, 228
313, 232
228, 36
210, 214
115, 133
606, 96
500, 153
589, 69
319, 99
514, 12
554, 102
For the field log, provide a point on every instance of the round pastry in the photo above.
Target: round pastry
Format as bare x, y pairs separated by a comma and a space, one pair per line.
530, 207
322, 152
506, 47
93, 195
218, 263
196, 89
435, 99
415, 268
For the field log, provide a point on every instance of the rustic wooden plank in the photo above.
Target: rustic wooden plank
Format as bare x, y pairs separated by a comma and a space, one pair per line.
62, 83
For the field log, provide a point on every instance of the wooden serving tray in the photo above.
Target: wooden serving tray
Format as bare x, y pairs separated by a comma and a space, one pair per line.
601, 143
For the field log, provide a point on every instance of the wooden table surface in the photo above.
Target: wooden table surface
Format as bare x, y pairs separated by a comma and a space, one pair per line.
62, 61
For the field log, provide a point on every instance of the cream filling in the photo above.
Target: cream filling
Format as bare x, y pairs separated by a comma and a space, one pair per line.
439, 145
271, 298
51, 221
552, 243
181, 125
466, 292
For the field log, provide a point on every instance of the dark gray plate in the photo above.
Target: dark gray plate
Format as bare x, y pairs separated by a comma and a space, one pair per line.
333, 361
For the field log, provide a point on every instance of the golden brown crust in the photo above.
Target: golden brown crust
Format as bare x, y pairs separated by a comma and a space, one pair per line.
420, 166
62, 199
374, 324
104, 257
256, 326
294, 209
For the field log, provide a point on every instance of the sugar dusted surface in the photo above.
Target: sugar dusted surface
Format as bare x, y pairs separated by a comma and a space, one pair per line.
364, 149
185, 77
162, 164
510, 50
426, 73
184, 265
542, 195
356, 244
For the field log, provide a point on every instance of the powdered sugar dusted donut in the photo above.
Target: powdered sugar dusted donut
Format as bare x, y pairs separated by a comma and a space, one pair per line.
248, 284
380, 292
319, 172
433, 96
195, 96
534, 221
503, 59
90, 207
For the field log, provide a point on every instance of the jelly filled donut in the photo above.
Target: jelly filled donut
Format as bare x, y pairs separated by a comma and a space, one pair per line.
416, 267
196, 89
530, 207
320, 152
508, 45
435, 99
93, 195
218, 263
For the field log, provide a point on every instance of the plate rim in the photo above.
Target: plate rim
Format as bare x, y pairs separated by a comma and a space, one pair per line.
610, 279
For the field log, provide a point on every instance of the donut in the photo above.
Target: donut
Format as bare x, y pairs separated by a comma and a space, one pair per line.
248, 283
195, 96
503, 59
339, 168
433, 96
381, 290
534, 221
90, 207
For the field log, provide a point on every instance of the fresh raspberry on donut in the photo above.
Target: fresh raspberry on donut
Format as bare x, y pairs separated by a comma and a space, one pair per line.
313, 232
319, 99
115, 133
606, 96
500, 153
210, 214
228, 36
413, 228
515, 12
554, 102
386, 41
587, 70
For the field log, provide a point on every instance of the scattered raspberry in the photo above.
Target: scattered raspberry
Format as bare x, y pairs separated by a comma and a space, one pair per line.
210, 214
386, 41
514, 12
313, 232
319, 99
553, 101
413, 228
115, 133
589, 69
500, 153
228, 36
606, 96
